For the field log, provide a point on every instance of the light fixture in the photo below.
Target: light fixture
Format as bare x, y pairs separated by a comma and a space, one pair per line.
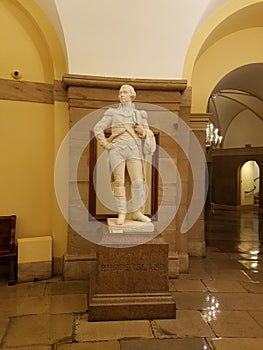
213, 139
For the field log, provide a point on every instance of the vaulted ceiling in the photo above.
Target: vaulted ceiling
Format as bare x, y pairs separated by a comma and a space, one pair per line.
240, 91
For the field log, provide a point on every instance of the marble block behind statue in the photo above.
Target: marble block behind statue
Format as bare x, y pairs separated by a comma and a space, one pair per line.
131, 283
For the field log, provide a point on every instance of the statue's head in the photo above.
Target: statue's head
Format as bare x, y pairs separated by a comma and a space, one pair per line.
127, 90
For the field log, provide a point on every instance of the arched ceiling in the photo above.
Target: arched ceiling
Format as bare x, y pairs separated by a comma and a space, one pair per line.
169, 28
212, 7
247, 17
240, 91
50, 10
247, 78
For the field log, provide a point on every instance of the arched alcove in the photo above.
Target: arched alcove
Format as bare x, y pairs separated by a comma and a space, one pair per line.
249, 183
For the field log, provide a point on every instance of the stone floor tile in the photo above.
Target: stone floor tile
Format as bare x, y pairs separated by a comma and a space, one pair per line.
67, 287
226, 264
224, 286
38, 330
189, 301
237, 344
35, 289
31, 306
189, 286
101, 345
258, 316
197, 262
197, 265
61, 304
227, 274
165, 344
112, 330
253, 287
187, 324
236, 324
29, 289
240, 302
254, 275
195, 275
4, 320
7, 306
245, 256
216, 255
252, 264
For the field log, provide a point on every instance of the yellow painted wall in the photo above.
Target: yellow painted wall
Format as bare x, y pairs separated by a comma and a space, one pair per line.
237, 49
26, 158
29, 43
25, 49
30, 133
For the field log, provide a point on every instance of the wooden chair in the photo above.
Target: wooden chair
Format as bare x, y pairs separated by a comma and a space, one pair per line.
8, 244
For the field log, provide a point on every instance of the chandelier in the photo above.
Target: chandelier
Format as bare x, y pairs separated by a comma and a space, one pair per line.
213, 139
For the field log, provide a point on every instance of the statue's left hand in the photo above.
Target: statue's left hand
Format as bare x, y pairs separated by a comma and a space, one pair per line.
139, 130
108, 146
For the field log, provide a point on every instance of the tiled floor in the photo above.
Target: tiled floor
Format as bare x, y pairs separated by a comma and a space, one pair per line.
219, 303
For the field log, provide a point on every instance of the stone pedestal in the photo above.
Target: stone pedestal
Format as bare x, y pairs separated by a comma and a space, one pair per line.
131, 283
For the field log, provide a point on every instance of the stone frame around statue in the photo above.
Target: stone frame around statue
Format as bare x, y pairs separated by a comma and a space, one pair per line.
96, 214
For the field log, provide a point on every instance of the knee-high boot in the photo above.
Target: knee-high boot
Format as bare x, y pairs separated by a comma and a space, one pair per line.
138, 192
120, 195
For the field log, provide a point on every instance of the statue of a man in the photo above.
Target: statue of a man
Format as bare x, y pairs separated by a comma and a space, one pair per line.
130, 143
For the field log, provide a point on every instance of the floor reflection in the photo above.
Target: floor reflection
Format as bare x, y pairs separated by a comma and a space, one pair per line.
211, 308
239, 231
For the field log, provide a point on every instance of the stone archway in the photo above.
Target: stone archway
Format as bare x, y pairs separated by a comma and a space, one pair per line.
249, 183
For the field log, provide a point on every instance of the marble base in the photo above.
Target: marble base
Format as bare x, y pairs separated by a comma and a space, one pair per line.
131, 283
130, 234
132, 307
129, 226
78, 267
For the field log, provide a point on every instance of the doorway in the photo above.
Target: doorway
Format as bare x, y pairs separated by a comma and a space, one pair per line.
249, 183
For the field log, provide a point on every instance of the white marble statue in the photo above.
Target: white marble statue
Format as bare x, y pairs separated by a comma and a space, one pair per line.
129, 145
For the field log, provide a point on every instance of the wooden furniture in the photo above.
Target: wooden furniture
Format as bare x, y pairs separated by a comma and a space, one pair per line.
8, 245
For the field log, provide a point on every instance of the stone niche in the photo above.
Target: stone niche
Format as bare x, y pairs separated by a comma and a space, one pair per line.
87, 94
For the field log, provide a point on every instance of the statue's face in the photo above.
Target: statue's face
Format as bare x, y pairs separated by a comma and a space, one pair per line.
125, 95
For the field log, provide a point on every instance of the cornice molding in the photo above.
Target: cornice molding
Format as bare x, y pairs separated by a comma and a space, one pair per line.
246, 151
198, 121
30, 91
115, 83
